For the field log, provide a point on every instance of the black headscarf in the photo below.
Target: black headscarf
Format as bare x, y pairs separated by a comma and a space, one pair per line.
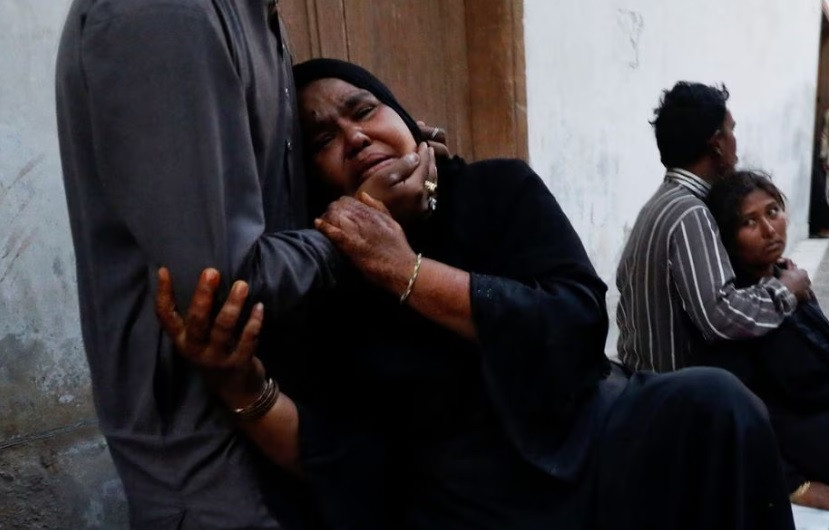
316, 69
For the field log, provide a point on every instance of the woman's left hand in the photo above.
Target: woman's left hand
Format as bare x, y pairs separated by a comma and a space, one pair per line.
376, 244
403, 188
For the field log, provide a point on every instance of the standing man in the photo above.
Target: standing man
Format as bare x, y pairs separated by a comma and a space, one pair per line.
675, 280
179, 144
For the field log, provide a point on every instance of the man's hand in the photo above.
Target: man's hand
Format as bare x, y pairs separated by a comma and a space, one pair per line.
796, 280
229, 366
365, 232
401, 186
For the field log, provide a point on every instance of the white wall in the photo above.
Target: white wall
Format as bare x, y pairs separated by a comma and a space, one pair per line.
595, 71
54, 465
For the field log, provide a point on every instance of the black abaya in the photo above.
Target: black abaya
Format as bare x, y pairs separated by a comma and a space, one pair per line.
524, 430
405, 425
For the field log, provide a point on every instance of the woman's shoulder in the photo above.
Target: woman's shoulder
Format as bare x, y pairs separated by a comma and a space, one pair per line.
500, 177
499, 169
495, 164
491, 194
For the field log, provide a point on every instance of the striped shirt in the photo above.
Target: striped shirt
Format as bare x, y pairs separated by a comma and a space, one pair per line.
676, 283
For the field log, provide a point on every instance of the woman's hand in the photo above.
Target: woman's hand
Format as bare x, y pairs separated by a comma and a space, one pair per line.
436, 138
229, 366
365, 231
796, 280
401, 186
817, 496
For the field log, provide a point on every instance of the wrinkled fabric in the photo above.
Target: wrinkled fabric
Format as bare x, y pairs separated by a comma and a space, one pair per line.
789, 370
692, 449
405, 425
462, 433
177, 125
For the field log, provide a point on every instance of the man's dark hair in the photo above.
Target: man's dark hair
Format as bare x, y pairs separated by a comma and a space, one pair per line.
726, 198
687, 117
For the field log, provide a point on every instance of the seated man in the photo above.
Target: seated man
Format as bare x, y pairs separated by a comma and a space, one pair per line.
676, 284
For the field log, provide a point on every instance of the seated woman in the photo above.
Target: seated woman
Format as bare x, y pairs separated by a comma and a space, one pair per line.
461, 382
788, 368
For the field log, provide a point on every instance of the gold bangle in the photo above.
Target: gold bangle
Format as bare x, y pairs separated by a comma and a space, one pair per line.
800, 491
409, 287
261, 405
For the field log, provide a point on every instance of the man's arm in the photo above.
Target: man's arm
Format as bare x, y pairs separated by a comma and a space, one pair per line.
173, 144
704, 279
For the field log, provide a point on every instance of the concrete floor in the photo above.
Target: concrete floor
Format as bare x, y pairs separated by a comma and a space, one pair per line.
809, 519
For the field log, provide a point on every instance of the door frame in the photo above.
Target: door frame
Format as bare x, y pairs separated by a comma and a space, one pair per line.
494, 77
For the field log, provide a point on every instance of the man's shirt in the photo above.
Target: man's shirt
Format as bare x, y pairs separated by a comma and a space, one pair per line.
676, 283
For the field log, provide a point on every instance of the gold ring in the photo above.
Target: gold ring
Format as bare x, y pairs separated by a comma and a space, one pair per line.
430, 186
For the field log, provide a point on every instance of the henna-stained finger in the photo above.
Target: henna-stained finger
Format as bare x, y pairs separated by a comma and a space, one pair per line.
165, 305
223, 332
249, 339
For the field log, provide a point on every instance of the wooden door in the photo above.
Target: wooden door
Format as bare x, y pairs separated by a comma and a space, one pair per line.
457, 64
822, 103
818, 207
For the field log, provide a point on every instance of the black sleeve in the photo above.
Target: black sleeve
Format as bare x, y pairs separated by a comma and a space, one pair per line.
795, 360
345, 467
541, 316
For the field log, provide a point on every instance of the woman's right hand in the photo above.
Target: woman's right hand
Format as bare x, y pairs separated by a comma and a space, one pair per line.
229, 367
817, 496
401, 187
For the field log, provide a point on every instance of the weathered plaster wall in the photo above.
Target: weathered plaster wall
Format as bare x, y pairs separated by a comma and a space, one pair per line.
55, 471
595, 70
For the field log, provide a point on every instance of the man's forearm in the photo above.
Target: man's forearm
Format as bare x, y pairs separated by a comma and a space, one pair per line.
284, 267
704, 279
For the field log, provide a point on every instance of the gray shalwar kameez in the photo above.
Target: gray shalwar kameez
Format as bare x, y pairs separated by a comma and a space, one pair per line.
177, 125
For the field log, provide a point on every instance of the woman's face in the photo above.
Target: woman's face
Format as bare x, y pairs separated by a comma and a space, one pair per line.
761, 236
349, 134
